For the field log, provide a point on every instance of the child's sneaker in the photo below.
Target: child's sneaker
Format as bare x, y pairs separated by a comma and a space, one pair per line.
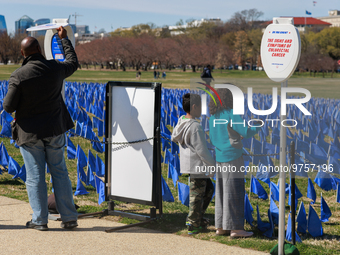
204, 222
194, 230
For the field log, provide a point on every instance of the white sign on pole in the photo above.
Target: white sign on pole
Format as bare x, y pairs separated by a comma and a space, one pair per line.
280, 49
47, 26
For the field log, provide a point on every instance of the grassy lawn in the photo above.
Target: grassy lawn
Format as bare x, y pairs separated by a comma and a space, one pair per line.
173, 220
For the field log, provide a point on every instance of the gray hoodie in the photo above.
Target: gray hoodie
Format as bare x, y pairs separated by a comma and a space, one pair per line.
194, 151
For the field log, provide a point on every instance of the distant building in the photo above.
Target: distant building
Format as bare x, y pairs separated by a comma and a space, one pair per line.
176, 30
86, 38
83, 29
39, 22
301, 23
3, 27
333, 18
23, 23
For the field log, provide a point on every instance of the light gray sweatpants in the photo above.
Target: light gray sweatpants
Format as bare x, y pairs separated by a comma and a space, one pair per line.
229, 197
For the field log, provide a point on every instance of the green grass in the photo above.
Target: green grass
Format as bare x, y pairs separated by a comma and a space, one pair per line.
173, 219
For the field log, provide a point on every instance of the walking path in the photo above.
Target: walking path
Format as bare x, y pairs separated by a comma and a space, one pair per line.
90, 237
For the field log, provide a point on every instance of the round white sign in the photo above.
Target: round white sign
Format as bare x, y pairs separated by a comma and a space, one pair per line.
280, 51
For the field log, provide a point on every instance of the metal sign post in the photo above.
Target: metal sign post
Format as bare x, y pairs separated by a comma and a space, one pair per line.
283, 139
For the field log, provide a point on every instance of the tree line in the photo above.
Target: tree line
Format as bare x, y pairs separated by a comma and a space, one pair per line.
235, 42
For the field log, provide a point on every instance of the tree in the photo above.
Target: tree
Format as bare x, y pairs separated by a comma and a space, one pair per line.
201, 32
183, 53
245, 20
241, 48
255, 38
229, 39
224, 57
5, 47
329, 41
15, 47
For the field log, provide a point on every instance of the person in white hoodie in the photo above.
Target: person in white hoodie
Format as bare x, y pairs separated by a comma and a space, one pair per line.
195, 158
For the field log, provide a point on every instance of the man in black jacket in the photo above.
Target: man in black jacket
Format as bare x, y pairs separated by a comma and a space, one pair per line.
41, 120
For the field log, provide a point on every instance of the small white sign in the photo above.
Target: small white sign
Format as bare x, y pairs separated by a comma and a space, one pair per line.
280, 49
47, 26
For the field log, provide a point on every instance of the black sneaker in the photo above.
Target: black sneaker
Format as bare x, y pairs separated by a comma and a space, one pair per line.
194, 230
69, 224
30, 224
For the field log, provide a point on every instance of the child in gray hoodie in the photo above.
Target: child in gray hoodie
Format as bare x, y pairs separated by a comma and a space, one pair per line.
195, 158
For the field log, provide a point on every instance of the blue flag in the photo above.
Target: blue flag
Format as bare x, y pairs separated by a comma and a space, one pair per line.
6, 117
100, 127
274, 211
82, 159
248, 209
100, 187
270, 231
91, 160
177, 164
80, 172
338, 194
97, 146
274, 191
308, 13
90, 177
80, 188
262, 226
13, 166
71, 149
21, 174
183, 193
257, 188
79, 128
100, 167
289, 232
325, 211
311, 191
4, 158
168, 157
166, 193
314, 223
174, 174
324, 180
174, 148
6, 129
301, 219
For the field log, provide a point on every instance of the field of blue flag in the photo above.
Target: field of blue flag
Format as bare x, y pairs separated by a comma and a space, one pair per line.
316, 138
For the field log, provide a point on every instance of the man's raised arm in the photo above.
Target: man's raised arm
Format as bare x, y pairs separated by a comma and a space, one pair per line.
71, 61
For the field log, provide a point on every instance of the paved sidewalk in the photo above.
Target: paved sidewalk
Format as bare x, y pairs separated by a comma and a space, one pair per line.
90, 237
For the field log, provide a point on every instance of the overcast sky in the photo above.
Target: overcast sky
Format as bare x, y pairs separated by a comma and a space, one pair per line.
112, 14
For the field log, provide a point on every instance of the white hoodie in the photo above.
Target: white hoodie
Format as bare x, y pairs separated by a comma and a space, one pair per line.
194, 151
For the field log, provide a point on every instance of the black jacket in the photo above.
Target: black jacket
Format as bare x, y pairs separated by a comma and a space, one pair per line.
34, 92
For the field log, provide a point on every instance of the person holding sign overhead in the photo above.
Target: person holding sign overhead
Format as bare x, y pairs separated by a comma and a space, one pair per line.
41, 120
